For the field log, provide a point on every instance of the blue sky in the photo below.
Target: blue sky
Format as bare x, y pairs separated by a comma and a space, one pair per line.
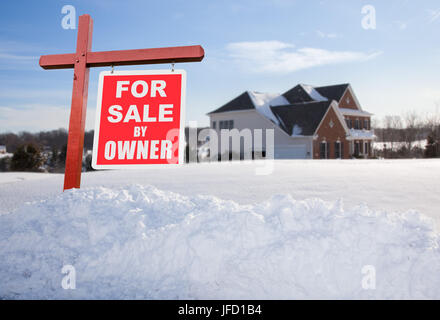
267, 46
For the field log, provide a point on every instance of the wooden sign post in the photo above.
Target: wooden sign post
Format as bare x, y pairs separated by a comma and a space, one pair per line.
81, 61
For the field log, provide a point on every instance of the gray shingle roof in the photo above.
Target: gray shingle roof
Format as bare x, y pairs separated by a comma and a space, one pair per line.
242, 102
305, 116
334, 92
297, 94
302, 116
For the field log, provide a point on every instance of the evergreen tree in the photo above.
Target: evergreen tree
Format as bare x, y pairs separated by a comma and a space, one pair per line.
431, 148
26, 158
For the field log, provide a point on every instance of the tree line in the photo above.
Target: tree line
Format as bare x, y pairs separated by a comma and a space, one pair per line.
398, 136
43, 151
408, 136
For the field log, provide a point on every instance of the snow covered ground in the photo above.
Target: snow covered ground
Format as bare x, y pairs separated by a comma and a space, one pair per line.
380, 145
307, 230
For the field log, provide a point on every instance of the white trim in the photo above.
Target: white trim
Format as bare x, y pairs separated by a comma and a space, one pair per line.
350, 89
354, 113
232, 111
181, 155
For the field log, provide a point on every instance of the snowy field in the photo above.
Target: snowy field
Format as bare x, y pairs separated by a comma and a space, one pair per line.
307, 230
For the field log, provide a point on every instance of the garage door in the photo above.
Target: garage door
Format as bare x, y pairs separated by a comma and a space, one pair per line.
298, 152
291, 152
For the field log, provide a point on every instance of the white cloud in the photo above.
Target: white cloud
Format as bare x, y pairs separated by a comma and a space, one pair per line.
327, 35
281, 57
401, 25
36, 117
10, 56
20, 94
434, 15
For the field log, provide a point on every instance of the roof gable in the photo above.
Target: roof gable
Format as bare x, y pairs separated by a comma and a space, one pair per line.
334, 92
297, 95
242, 102
301, 118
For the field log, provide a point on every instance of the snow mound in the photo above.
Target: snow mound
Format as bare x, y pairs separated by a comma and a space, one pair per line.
313, 93
263, 102
296, 130
140, 242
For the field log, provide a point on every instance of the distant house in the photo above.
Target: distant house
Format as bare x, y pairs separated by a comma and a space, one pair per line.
2, 149
309, 122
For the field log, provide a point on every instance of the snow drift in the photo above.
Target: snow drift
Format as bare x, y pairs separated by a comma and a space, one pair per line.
139, 242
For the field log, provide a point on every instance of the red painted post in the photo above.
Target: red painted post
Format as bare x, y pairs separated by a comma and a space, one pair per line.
75, 142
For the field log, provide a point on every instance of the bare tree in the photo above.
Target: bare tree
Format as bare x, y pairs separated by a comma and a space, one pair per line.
412, 128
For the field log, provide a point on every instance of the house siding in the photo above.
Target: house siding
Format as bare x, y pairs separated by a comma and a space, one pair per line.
286, 147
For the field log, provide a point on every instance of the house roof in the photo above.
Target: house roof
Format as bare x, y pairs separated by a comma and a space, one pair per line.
298, 111
334, 92
301, 119
298, 94
242, 102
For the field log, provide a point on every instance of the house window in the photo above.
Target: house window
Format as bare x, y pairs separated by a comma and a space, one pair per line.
356, 124
347, 121
338, 150
366, 148
226, 124
366, 125
356, 149
213, 125
324, 150
350, 124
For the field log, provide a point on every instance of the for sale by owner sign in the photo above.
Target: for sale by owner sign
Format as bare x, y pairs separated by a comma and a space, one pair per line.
139, 119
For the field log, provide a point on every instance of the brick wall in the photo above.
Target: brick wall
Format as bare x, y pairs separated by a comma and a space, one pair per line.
331, 134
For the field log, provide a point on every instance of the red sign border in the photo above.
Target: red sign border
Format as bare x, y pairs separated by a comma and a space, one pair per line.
98, 118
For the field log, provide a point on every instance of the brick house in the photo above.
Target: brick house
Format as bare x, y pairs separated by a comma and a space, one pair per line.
309, 122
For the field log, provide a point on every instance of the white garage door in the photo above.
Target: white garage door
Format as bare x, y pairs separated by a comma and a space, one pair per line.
291, 152
298, 152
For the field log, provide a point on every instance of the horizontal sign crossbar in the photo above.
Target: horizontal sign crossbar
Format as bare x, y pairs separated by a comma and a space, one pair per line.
125, 57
